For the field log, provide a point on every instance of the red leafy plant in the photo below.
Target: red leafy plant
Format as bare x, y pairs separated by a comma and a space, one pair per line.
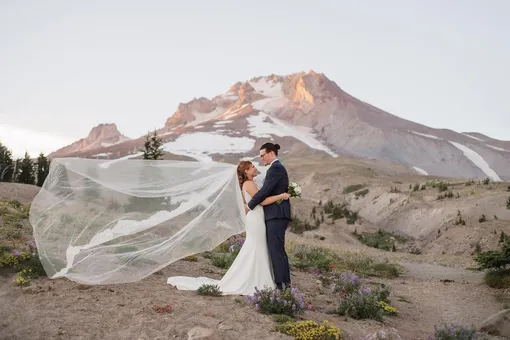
162, 309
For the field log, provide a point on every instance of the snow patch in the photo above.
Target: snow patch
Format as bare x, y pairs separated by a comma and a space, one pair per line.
478, 160
276, 98
230, 96
259, 127
420, 171
103, 154
496, 148
426, 135
199, 145
204, 117
267, 87
475, 138
107, 164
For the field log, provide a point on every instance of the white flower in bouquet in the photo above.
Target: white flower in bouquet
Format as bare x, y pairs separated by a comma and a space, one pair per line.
294, 190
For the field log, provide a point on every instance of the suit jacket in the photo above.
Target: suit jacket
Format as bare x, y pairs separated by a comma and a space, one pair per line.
276, 182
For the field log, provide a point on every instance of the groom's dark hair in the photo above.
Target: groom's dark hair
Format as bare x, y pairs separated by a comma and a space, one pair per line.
270, 147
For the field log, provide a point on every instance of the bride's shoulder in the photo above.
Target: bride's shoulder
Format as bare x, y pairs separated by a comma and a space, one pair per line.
248, 184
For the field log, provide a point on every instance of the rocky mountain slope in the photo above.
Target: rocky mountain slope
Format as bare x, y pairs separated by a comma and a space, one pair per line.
307, 113
101, 136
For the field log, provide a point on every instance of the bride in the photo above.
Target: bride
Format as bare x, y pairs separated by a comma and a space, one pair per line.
252, 266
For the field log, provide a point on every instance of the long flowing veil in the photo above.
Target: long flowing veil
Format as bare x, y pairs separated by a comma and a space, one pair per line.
102, 222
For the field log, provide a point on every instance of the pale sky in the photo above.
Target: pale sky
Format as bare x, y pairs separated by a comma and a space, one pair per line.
66, 66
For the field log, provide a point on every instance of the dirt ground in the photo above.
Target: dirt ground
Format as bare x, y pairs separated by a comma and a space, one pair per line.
425, 295
61, 309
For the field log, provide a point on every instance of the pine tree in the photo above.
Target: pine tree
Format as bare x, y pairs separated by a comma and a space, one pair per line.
60, 177
91, 187
6, 164
153, 146
152, 151
43, 169
27, 174
16, 170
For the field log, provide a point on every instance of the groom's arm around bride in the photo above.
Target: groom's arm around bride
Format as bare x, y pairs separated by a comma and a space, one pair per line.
275, 183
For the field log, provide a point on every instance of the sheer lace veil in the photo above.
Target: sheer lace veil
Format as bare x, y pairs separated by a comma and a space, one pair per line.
102, 222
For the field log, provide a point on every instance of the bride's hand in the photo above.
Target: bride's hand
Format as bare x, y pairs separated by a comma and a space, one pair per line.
284, 196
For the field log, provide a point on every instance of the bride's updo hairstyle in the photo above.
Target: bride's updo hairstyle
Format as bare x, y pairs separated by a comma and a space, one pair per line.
241, 172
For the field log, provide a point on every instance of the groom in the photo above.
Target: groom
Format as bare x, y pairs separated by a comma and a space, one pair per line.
277, 216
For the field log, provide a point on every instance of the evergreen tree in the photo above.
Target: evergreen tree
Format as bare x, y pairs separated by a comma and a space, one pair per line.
17, 170
61, 177
27, 174
6, 164
91, 186
43, 169
153, 146
152, 151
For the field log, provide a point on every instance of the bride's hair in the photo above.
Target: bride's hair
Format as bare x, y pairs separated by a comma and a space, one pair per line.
241, 172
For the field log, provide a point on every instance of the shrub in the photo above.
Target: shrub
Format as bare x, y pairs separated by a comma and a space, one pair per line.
209, 289
364, 303
337, 211
453, 332
298, 226
448, 194
508, 203
191, 258
494, 259
223, 261
162, 309
482, 218
306, 257
274, 301
459, 220
360, 301
498, 279
229, 251
310, 330
366, 265
347, 283
380, 239
232, 245
361, 193
442, 186
26, 262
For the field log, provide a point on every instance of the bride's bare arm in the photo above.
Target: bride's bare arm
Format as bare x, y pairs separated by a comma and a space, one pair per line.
252, 189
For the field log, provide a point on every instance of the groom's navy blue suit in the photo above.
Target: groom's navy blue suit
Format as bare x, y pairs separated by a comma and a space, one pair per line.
277, 218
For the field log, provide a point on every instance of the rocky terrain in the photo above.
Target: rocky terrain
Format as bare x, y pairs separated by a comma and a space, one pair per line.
371, 213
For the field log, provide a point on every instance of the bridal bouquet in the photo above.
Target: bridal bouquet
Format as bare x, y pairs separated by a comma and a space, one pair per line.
294, 190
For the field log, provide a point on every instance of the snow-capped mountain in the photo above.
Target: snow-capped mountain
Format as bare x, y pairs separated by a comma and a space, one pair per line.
307, 112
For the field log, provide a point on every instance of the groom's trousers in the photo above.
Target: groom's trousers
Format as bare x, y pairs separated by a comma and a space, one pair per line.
275, 234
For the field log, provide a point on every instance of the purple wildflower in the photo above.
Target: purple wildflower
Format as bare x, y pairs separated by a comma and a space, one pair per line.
365, 290
16, 252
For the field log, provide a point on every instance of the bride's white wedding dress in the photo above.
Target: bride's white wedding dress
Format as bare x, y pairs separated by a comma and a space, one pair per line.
251, 268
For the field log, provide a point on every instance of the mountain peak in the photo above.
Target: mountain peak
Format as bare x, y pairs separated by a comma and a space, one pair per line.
100, 136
